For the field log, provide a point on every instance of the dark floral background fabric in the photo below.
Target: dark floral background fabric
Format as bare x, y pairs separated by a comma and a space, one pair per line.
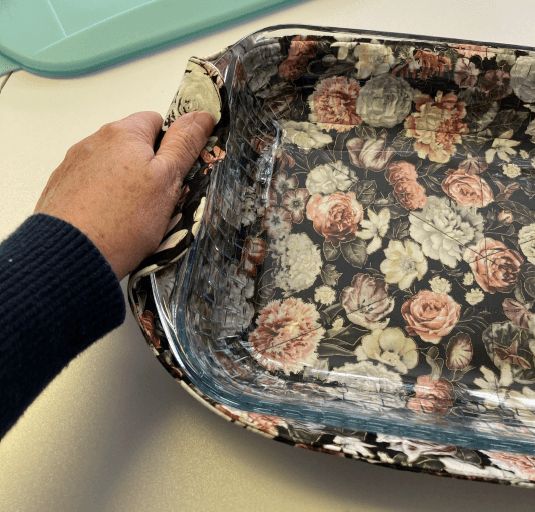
396, 241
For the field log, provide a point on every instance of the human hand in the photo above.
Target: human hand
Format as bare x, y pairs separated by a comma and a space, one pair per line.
118, 191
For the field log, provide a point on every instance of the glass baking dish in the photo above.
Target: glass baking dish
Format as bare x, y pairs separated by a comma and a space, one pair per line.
366, 256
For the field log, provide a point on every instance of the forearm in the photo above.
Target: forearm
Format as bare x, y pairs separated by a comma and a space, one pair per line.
57, 295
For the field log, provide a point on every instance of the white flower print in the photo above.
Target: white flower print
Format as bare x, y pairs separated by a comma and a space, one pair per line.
373, 59
260, 64
324, 295
523, 78
502, 146
530, 131
444, 229
526, 240
338, 324
197, 217
366, 301
369, 153
391, 347
385, 101
343, 47
468, 279
492, 391
505, 56
474, 296
466, 73
300, 262
304, 135
295, 201
531, 328
251, 206
414, 449
277, 221
459, 351
239, 289
459, 467
374, 228
282, 183
352, 446
511, 170
385, 458
404, 263
248, 213
197, 92
329, 178
440, 285
381, 387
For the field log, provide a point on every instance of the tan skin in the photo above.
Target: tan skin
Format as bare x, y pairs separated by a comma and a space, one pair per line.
118, 191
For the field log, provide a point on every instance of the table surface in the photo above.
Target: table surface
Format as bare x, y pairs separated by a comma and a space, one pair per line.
114, 432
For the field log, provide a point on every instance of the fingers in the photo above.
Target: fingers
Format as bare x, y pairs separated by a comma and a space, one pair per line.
183, 142
146, 125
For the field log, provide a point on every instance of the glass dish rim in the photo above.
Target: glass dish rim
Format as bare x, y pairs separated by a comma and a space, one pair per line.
469, 438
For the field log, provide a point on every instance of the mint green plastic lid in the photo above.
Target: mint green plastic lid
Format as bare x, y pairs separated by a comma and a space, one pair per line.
69, 37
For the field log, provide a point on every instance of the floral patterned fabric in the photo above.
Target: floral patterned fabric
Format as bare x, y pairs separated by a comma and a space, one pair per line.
396, 239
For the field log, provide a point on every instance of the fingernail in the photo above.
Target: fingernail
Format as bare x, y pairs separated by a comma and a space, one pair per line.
203, 119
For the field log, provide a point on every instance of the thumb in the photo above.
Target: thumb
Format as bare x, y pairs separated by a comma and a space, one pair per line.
183, 142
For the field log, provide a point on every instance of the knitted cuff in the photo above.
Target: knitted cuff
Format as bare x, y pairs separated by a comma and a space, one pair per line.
53, 272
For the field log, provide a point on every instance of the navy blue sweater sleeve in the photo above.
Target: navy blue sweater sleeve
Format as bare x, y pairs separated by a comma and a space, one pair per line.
57, 295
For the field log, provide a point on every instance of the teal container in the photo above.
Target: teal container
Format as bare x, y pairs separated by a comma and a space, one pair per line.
69, 37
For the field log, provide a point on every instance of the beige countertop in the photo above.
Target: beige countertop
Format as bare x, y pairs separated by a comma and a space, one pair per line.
114, 432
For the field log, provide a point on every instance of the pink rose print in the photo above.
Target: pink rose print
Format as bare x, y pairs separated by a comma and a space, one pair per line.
286, 335
333, 103
430, 315
335, 216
